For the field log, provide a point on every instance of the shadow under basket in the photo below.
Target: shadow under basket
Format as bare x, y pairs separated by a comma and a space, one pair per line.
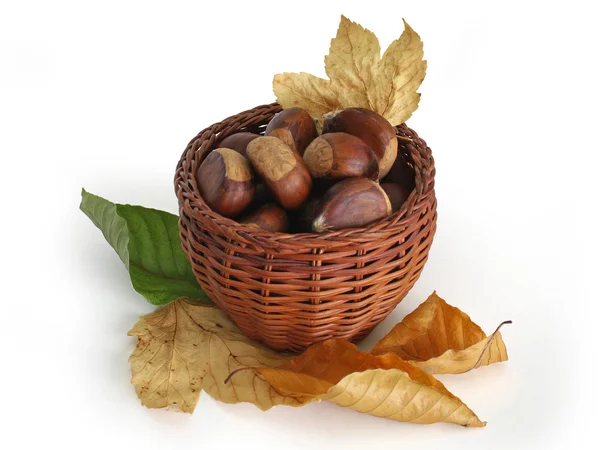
292, 290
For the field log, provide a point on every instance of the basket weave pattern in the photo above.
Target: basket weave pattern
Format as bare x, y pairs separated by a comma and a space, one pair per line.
292, 290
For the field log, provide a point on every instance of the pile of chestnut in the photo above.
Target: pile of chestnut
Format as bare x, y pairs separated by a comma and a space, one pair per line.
294, 180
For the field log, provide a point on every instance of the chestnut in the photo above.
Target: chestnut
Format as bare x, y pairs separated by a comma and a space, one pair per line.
340, 155
281, 169
295, 127
302, 218
226, 182
269, 217
402, 173
262, 196
238, 141
351, 203
369, 126
396, 193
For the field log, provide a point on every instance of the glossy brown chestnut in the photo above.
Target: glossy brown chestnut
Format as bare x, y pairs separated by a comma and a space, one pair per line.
351, 203
238, 141
295, 127
303, 218
269, 217
262, 196
402, 173
226, 182
396, 193
337, 156
373, 129
281, 169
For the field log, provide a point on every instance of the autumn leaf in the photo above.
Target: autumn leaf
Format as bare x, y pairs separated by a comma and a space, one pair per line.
359, 76
184, 347
351, 64
306, 91
490, 350
440, 338
382, 386
401, 72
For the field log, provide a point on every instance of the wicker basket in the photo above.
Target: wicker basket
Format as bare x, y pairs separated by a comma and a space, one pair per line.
292, 290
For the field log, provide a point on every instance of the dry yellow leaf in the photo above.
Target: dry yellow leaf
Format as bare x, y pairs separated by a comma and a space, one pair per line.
184, 347
440, 338
401, 72
351, 65
383, 386
305, 91
360, 77
490, 350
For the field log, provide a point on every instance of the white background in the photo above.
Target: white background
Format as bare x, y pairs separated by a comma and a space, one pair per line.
107, 94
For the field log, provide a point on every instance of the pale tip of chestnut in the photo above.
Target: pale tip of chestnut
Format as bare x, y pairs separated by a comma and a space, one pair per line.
271, 157
319, 157
388, 203
389, 157
285, 136
319, 225
237, 167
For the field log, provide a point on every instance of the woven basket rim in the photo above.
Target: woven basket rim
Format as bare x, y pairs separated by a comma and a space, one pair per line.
195, 204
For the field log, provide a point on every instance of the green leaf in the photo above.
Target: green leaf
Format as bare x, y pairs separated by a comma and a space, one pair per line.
147, 241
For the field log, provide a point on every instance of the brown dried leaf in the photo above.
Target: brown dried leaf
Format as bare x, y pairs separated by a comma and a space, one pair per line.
184, 347
360, 77
305, 91
351, 64
383, 386
440, 338
490, 350
401, 72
